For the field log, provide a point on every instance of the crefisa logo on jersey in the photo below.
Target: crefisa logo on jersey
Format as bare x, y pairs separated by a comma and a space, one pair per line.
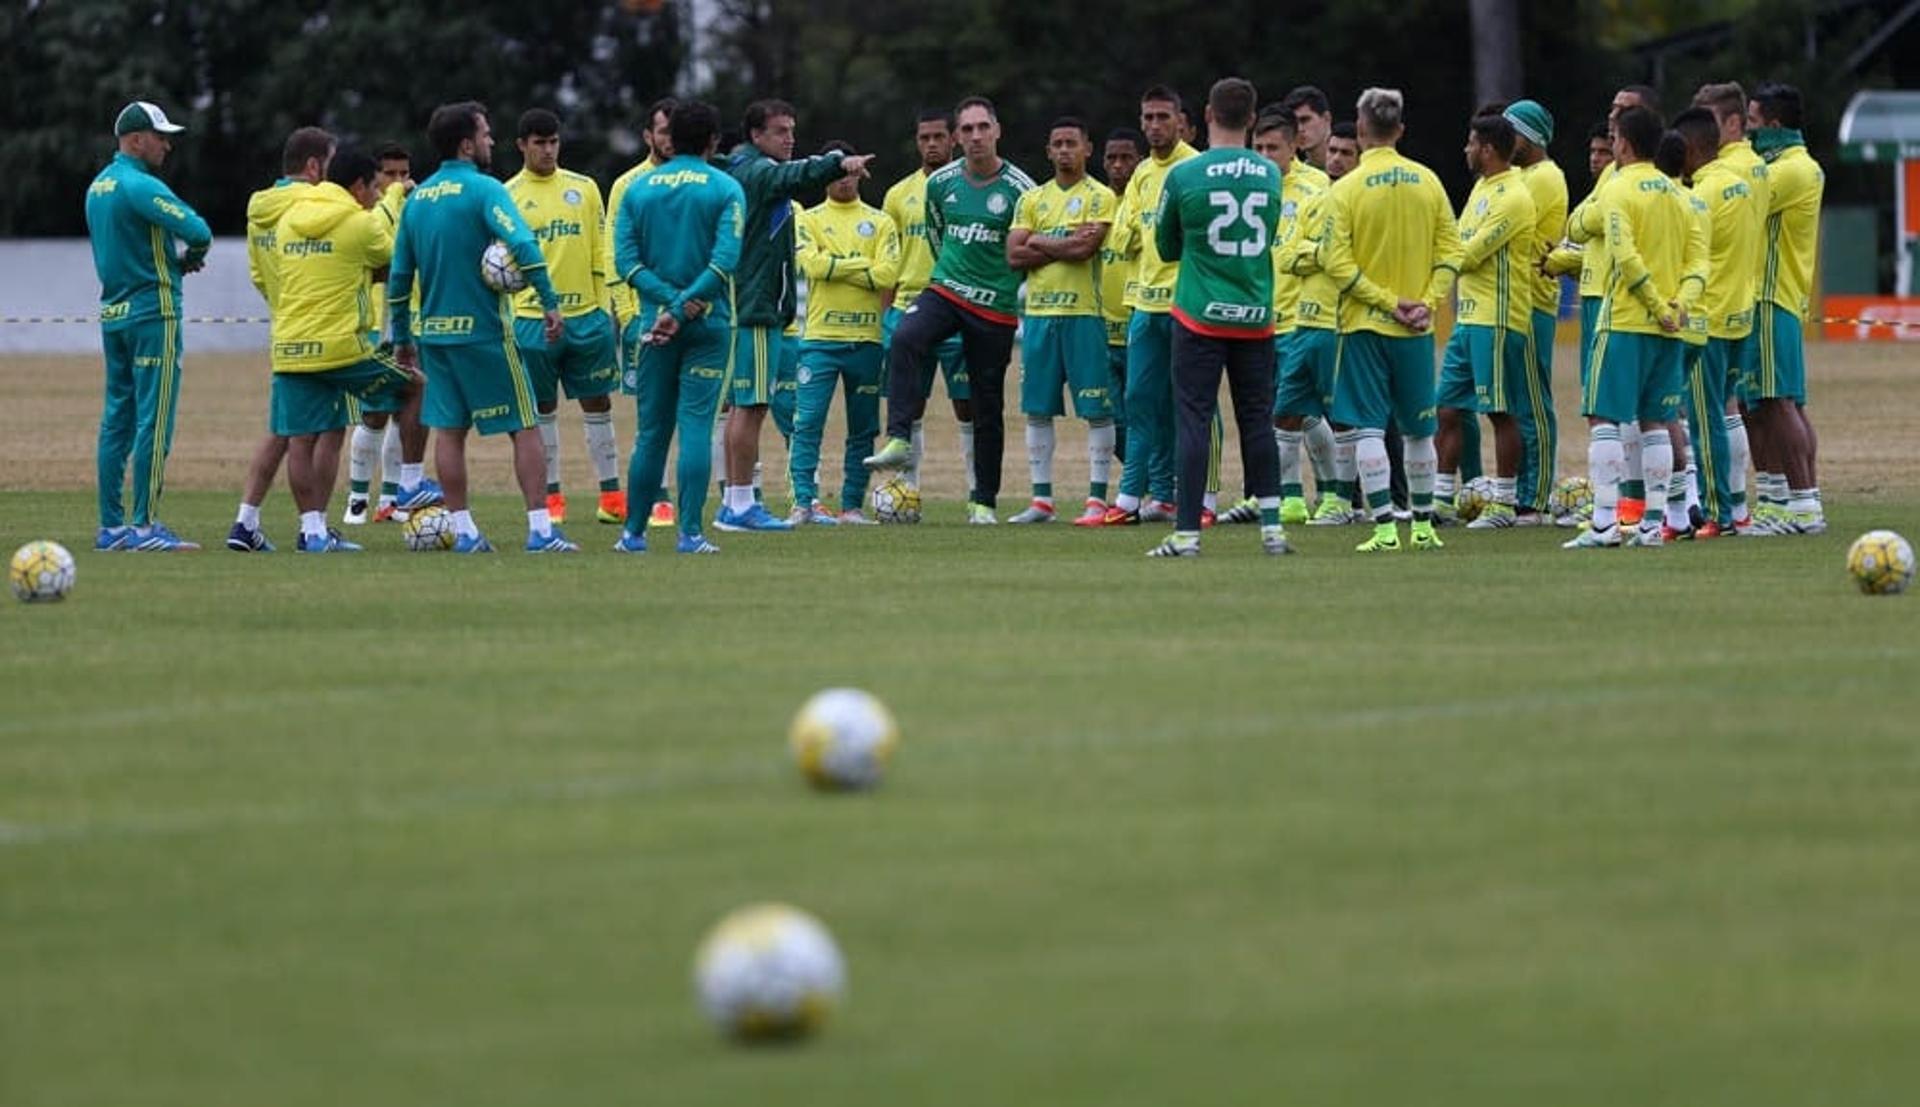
997, 203
865, 229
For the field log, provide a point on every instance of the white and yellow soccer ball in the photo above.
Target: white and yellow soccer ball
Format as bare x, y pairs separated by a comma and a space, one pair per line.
41, 572
896, 501
1571, 497
842, 739
769, 972
1881, 563
429, 528
499, 270
1472, 499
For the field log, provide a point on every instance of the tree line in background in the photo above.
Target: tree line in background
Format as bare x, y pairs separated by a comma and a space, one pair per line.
243, 73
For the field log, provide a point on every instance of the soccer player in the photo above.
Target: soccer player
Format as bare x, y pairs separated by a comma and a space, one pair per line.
138, 228
563, 208
1125, 147
1656, 273
1682, 506
1307, 369
764, 290
972, 292
906, 205
850, 255
303, 164
1457, 442
1058, 231
625, 309
1728, 103
475, 378
1313, 123
1216, 222
1393, 250
1343, 150
1149, 468
1600, 149
1795, 183
376, 432
1495, 301
1584, 258
676, 243
330, 241
1539, 426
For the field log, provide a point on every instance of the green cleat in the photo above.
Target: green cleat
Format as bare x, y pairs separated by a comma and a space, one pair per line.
896, 454
1246, 511
980, 515
1386, 539
1423, 536
1332, 511
1293, 510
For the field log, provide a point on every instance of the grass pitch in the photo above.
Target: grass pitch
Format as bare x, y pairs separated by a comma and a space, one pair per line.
1499, 824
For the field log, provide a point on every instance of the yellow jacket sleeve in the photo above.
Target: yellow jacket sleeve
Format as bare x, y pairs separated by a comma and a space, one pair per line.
816, 262
886, 261
1446, 250
1564, 260
1337, 260
1698, 256
1301, 255
1586, 223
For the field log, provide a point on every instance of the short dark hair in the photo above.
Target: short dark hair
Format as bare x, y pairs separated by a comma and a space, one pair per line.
1274, 119
760, 113
1130, 134
351, 167
392, 151
538, 123
1648, 95
1495, 130
1309, 95
976, 102
1491, 107
934, 115
1699, 127
1073, 121
838, 146
1670, 155
1232, 100
1780, 104
302, 146
1641, 128
452, 124
1343, 128
692, 127
663, 106
1162, 94
1602, 130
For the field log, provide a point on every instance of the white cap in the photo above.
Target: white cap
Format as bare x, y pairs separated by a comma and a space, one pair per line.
144, 116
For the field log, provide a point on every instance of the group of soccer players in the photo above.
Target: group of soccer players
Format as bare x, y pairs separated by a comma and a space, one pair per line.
1303, 259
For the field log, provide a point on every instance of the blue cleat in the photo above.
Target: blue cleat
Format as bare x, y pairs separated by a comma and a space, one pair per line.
630, 543
112, 538
551, 542
755, 518
425, 494
156, 538
245, 539
332, 543
472, 544
695, 544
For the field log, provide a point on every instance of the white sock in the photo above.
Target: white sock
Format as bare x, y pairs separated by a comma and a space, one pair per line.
463, 524
313, 524
412, 474
1289, 443
1319, 438
719, 456
1375, 471
249, 516
1100, 439
739, 498
919, 436
1677, 487
1126, 503
1345, 469
966, 452
1739, 459
1040, 454
1210, 501
1503, 490
361, 449
549, 444
1656, 459
1691, 486
1632, 442
1804, 501
391, 459
539, 523
1422, 460
1443, 487
600, 445
1606, 467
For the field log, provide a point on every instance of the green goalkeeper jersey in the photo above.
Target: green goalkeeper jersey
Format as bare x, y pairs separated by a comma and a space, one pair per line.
1218, 213
967, 223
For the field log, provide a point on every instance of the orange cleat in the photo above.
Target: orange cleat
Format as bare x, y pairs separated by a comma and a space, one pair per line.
662, 515
1117, 516
557, 507
386, 513
1707, 531
1632, 511
1208, 517
613, 507
1095, 514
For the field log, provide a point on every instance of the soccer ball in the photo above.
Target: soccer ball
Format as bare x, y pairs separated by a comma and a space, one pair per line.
768, 971
1572, 496
1473, 498
498, 269
429, 528
1880, 562
42, 572
896, 501
842, 739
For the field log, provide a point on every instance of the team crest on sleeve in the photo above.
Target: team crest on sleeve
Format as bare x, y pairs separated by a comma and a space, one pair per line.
865, 228
571, 196
997, 204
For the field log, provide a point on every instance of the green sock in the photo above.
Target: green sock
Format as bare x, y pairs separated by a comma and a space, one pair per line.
389, 489
1043, 491
1098, 491
1293, 491
358, 488
552, 488
610, 485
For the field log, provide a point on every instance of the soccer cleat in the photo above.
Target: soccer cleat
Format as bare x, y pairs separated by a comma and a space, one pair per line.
1592, 539
156, 538
112, 538
1333, 511
1157, 511
1494, 517
355, 516
1274, 541
755, 518
1248, 511
425, 494
631, 543
1696, 518
854, 517
1293, 511
1120, 517
1175, 546
1095, 514
662, 515
245, 539
1647, 535
326, 543
388, 513
896, 454
1708, 531
1039, 511
816, 515
1805, 522
1632, 511
1208, 518
1530, 519
695, 544
613, 508
1423, 536
1386, 539
554, 541
472, 544
980, 515
557, 507
1446, 512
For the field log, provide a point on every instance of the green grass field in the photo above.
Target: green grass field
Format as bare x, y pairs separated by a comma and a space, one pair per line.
1495, 825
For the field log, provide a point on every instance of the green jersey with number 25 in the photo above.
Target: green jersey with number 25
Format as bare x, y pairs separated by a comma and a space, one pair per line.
1217, 218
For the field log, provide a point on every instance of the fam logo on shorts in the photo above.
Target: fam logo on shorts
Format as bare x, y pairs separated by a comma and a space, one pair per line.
997, 203
571, 196
864, 229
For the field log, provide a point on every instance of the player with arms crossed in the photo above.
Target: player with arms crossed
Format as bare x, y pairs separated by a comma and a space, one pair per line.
1217, 218
475, 378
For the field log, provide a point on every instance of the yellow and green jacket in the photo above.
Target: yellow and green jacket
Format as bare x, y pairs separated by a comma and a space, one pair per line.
1496, 248
850, 255
328, 247
1391, 237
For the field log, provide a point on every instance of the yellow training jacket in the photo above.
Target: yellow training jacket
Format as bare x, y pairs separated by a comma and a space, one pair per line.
1300, 185
388, 209
624, 301
1738, 225
850, 254
1656, 250
906, 204
1049, 211
1795, 183
264, 211
1547, 186
1496, 247
1153, 279
1391, 237
1317, 305
328, 247
563, 208
1587, 230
